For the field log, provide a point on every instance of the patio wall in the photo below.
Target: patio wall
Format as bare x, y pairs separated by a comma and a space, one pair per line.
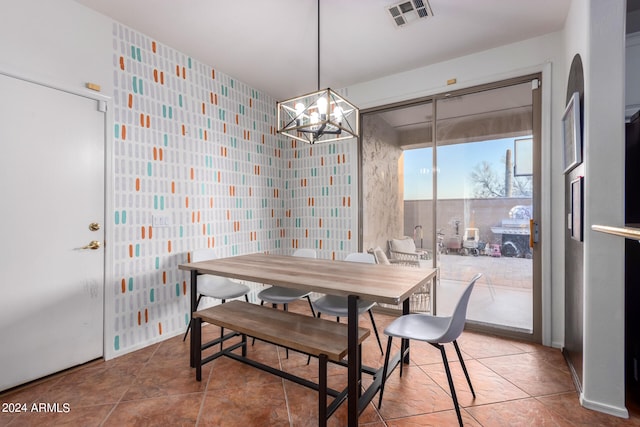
479, 213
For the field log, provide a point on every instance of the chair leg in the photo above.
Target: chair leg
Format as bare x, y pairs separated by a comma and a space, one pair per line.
464, 367
375, 330
384, 371
450, 380
189, 325
313, 312
222, 330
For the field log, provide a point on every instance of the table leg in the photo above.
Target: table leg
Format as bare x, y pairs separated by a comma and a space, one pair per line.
194, 303
405, 311
353, 362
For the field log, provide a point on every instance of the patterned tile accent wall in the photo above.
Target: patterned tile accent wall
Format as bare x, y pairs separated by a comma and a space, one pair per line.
198, 163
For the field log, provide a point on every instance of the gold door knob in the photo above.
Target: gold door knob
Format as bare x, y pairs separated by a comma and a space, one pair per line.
94, 226
94, 244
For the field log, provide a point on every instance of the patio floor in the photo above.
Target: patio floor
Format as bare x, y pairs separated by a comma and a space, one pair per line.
502, 297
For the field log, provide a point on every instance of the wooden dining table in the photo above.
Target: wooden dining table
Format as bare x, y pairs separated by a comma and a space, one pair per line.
388, 284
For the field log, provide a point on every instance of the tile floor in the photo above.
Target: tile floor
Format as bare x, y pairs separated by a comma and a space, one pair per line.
516, 383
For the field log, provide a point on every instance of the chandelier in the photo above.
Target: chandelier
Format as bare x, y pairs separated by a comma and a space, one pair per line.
320, 116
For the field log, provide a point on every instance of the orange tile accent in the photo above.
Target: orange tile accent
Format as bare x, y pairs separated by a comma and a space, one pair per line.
146, 315
143, 232
155, 153
130, 101
130, 251
321, 161
161, 152
250, 103
224, 127
211, 97
306, 233
188, 257
169, 246
204, 229
153, 47
173, 187
148, 121
184, 73
206, 137
320, 244
123, 285
198, 216
211, 202
193, 173
139, 318
155, 75
161, 77
349, 201
237, 119
184, 130
124, 132
251, 190
150, 232
186, 202
137, 184
160, 328
178, 70
349, 235
184, 287
213, 73
331, 180
320, 222
164, 277
122, 63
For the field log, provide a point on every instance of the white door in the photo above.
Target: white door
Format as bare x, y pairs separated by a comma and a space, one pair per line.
51, 190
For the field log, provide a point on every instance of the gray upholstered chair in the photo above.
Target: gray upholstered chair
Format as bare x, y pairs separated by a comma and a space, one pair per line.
435, 330
337, 306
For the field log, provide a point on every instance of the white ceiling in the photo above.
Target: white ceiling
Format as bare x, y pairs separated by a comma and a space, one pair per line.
272, 45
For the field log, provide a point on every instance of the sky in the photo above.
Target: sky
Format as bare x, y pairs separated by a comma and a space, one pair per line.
455, 164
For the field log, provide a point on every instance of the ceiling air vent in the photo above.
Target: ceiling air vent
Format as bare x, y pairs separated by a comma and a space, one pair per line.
406, 12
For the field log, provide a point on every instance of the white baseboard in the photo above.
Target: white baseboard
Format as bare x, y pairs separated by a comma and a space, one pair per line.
616, 411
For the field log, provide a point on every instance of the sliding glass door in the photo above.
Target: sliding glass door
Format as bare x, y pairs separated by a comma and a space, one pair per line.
467, 167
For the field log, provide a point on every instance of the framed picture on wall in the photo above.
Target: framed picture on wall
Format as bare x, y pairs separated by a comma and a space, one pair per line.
572, 138
577, 190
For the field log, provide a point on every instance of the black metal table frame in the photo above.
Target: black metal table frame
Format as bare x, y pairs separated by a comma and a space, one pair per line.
354, 367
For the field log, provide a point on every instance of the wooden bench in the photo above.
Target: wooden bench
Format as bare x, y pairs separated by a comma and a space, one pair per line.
324, 339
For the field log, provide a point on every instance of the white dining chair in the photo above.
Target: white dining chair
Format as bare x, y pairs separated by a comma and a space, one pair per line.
276, 295
337, 306
435, 330
216, 287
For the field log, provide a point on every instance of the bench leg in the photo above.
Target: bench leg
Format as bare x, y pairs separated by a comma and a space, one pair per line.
196, 331
322, 390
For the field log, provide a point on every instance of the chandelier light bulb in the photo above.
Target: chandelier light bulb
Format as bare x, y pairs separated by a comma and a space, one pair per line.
337, 114
322, 106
